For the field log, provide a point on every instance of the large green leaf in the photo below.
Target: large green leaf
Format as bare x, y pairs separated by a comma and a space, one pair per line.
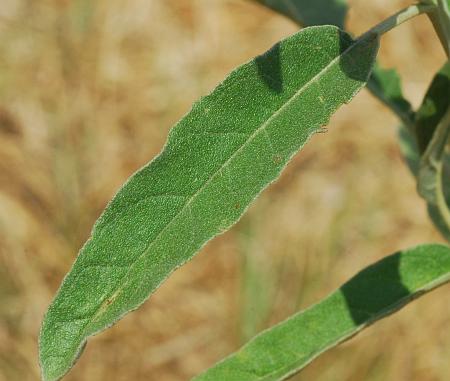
307, 12
384, 84
217, 159
373, 294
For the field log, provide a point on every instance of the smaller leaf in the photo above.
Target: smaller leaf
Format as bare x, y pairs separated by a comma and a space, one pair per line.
433, 107
413, 144
431, 170
371, 295
385, 84
410, 151
432, 129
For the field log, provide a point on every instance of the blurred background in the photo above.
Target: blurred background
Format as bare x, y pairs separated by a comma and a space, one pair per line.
88, 92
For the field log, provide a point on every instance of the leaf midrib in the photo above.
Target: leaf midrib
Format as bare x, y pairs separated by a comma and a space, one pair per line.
224, 165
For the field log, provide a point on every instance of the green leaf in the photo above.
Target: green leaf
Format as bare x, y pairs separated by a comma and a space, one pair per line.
432, 161
410, 151
430, 178
385, 84
433, 107
307, 12
218, 158
371, 295
413, 144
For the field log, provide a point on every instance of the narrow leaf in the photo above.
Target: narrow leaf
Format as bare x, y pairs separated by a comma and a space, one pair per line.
432, 184
411, 153
371, 295
217, 159
413, 144
429, 178
433, 107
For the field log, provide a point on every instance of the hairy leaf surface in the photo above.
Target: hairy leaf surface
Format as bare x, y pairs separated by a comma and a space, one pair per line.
373, 294
217, 159
384, 84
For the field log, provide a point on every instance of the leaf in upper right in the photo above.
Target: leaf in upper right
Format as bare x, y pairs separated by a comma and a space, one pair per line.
414, 142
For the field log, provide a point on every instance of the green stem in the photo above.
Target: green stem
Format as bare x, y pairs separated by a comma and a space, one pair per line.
440, 18
402, 16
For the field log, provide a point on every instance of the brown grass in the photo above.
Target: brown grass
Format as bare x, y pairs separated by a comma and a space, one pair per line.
88, 91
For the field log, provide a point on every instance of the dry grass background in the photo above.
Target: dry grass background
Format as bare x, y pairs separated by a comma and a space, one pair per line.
88, 91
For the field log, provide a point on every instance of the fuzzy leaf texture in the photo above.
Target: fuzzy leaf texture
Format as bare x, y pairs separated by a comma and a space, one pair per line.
384, 84
218, 158
374, 293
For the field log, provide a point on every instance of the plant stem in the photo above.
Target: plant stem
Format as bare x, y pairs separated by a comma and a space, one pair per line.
400, 17
440, 18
